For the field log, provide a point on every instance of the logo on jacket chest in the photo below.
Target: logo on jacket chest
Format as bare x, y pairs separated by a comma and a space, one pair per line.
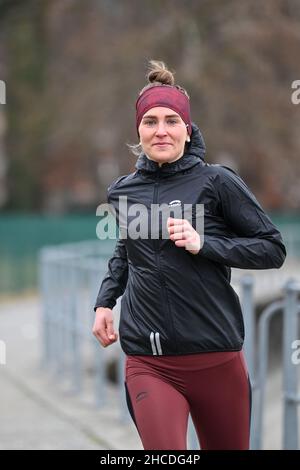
174, 203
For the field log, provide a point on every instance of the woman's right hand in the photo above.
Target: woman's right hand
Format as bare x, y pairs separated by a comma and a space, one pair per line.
103, 327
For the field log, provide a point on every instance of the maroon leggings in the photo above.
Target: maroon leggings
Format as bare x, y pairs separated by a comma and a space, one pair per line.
214, 388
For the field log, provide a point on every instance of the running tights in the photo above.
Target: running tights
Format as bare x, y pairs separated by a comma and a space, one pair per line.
214, 388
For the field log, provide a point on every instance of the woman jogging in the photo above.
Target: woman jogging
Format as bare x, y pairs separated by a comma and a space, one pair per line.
181, 325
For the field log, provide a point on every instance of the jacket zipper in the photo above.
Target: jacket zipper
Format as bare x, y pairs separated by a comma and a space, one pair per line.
160, 273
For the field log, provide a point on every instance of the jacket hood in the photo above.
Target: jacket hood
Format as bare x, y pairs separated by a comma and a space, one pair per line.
195, 151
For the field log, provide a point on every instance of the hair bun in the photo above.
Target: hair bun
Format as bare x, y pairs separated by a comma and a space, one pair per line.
158, 73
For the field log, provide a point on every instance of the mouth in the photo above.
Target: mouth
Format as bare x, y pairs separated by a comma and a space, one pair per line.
161, 144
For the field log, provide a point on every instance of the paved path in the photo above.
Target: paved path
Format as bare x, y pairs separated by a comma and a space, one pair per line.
36, 412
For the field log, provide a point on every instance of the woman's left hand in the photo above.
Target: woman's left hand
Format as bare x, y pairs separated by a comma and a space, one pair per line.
183, 234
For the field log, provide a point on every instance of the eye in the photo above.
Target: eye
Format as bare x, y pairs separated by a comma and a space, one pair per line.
172, 121
149, 122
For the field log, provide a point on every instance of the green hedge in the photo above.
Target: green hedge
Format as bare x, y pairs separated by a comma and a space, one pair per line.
22, 236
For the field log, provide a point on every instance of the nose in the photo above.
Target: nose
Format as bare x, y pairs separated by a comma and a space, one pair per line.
161, 129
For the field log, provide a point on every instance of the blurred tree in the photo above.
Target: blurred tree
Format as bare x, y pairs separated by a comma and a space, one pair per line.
24, 27
74, 69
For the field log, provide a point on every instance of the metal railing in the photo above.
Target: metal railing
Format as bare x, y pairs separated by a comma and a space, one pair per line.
289, 308
70, 276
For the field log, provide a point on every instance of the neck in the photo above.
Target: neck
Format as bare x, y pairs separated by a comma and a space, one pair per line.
168, 161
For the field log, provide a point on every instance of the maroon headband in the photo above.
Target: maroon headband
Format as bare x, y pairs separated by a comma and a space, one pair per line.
167, 96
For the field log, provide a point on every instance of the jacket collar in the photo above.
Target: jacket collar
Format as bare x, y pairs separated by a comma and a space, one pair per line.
195, 152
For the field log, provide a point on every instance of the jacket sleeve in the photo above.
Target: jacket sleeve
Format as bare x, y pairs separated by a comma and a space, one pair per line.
258, 244
115, 280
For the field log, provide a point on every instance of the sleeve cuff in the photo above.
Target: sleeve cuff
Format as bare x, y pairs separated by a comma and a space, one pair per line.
105, 305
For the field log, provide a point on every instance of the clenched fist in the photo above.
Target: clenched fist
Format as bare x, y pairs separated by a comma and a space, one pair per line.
103, 327
183, 234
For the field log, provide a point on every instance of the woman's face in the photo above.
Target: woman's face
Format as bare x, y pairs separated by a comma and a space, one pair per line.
162, 135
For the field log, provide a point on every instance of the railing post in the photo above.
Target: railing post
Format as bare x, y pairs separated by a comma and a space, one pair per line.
290, 376
99, 363
249, 320
124, 415
262, 369
76, 337
45, 314
247, 301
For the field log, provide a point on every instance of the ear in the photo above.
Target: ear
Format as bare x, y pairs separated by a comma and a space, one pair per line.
188, 139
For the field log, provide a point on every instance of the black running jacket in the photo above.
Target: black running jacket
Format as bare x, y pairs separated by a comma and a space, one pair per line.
174, 302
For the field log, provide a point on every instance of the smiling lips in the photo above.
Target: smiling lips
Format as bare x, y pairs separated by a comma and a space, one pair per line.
162, 143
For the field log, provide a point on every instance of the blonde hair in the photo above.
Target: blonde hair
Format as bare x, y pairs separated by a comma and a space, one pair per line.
159, 75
